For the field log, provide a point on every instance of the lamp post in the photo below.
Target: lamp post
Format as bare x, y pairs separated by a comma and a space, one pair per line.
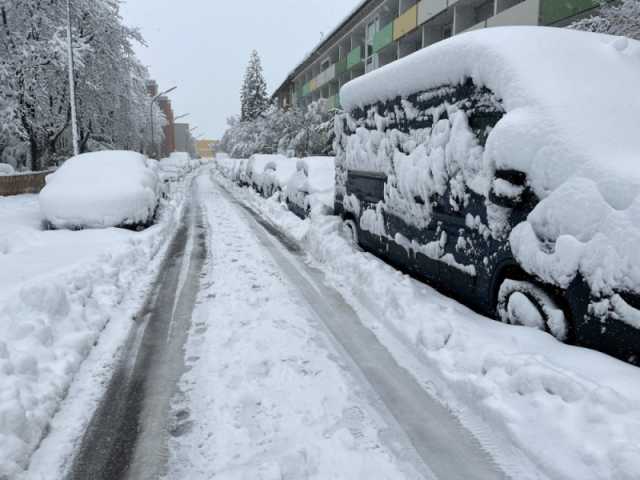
72, 85
181, 116
154, 100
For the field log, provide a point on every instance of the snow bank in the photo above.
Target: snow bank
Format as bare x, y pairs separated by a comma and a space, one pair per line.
58, 291
102, 189
6, 169
575, 413
570, 125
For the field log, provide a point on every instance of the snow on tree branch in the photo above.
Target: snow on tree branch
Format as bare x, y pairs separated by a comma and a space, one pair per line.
113, 105
615, 18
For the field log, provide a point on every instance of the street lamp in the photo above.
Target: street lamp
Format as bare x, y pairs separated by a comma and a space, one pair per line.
181, 116
72, 85
154, 100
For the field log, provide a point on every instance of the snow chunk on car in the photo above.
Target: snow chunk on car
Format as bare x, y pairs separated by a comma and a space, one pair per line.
101, 190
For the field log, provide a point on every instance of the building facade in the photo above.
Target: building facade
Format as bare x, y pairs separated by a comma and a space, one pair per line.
169, 142
379, 32
184, 140
164, 103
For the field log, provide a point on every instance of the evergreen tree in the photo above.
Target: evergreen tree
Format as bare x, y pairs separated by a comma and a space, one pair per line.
615, 18
253, 96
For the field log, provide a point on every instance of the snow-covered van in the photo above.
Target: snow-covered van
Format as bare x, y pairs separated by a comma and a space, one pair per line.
503, 166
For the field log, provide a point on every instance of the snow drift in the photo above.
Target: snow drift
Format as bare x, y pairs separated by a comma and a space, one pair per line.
100, 190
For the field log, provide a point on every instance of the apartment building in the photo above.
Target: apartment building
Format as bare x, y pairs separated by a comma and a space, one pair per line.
169, 141
379, 32
184, 139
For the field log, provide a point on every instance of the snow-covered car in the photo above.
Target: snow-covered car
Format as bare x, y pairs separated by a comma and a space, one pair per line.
312, 187
176, 166
503, 167
255, 169
277, 174
101, 190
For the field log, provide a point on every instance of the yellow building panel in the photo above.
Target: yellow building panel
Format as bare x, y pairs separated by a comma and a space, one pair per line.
405, 23
313, 85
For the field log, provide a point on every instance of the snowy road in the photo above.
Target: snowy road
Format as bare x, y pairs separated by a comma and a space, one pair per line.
127, 436
248, 365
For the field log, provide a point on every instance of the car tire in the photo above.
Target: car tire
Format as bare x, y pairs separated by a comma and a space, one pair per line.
351, 231
525, 303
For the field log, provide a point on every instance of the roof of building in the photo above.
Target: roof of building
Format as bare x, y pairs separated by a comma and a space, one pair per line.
325, 39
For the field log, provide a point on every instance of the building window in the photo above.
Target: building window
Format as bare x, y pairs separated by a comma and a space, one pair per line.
484, 11
447, 30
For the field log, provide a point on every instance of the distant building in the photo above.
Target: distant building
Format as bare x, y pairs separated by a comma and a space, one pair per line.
164, 103
169, 142
206, 148
152, 88
379, 32
184, 141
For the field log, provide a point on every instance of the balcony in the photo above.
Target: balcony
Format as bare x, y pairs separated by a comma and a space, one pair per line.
383, 38
427, 9
405, 23
523, 13
354, 57
552, 11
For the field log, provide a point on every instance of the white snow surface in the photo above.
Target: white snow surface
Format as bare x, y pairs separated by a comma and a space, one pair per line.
100, 190
570, 125
575, 413
59, 292
266, 395
6, 169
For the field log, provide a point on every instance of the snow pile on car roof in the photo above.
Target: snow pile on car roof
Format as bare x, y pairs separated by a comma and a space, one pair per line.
571, 125
101, 189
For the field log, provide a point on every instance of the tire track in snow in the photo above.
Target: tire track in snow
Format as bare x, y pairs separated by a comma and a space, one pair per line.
127, 436
445, 446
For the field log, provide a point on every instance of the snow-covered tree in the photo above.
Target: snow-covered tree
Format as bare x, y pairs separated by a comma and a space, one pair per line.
289, 132
253, 95
615, 18
113, 105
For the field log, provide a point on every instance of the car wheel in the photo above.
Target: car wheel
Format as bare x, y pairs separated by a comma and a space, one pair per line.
351, 231
524, 303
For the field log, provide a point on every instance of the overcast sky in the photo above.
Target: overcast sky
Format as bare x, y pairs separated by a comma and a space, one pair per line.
203, 47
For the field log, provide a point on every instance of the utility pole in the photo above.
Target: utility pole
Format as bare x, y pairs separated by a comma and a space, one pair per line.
72, 85
153, 101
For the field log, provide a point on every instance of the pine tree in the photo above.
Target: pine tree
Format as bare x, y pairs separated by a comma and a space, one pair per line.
615, 18
253, 96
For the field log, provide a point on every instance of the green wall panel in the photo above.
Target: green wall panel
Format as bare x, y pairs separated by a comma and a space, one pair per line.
553, 11
341, 66
383, 38
354, 57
